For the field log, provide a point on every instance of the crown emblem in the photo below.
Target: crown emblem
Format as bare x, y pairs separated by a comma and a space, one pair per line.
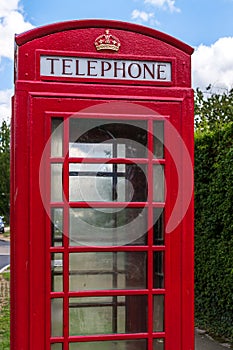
107, 42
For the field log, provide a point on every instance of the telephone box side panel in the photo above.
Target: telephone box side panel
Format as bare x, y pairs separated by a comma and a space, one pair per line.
20, 239
188, 228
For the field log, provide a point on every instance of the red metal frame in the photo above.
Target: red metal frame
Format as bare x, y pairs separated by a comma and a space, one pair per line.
35, 103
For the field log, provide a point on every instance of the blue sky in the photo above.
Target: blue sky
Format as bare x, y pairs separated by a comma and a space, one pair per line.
204, 24
193, 21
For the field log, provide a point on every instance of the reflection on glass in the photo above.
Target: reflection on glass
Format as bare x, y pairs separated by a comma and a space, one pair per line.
56, 272
158, 139
107, 182
159, 270
56, 182
57, 137
97, 182
158, 226
107, 270
158, 344
158, 313
57, 227
108, 226
57, 317
107, 315
139, 344
91, 150
158, 177
91, 138
136, 176
56, 346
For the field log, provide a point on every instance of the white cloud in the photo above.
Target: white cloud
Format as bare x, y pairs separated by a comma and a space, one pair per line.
163, 4
6, 6
11, 22
5, 104
143, 16
214, 64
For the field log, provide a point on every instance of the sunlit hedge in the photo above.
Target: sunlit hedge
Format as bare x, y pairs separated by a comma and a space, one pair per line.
214, 230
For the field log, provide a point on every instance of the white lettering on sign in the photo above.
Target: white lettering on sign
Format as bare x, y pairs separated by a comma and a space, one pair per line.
97, 68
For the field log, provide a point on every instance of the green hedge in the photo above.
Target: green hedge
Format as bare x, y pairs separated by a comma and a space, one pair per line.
214, 230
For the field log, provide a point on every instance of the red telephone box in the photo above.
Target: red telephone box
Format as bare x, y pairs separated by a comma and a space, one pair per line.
102, 189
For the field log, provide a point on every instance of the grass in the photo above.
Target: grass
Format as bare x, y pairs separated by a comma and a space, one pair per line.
6, 275
6, 234
5, 326
5, 316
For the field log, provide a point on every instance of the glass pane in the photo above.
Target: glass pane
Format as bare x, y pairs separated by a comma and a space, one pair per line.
108, 270
56, 183
159, 226
57, 137
108, 226
56, 346
91, 182
57, 317
158, 344
158, 176
158, 139
139, 344
91, 150
159, 270
57, 227
158, 313
107, 182
107, 315
57, 272
107, 139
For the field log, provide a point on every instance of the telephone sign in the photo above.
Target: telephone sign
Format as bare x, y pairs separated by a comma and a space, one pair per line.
102, 189
57, 66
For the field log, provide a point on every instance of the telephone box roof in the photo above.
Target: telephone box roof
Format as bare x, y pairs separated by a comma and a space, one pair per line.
40, 32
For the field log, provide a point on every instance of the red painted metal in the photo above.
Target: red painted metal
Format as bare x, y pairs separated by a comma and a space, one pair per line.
39, 99
87, 24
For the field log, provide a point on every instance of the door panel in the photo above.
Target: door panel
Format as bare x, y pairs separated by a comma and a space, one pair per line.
108, 185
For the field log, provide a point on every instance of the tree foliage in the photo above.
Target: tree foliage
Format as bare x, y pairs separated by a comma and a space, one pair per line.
213, 213
212, 110
5, 170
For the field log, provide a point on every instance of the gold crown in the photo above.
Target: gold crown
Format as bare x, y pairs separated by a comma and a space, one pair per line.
107, 42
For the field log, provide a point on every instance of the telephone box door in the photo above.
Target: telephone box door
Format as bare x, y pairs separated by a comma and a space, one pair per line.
108, 183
